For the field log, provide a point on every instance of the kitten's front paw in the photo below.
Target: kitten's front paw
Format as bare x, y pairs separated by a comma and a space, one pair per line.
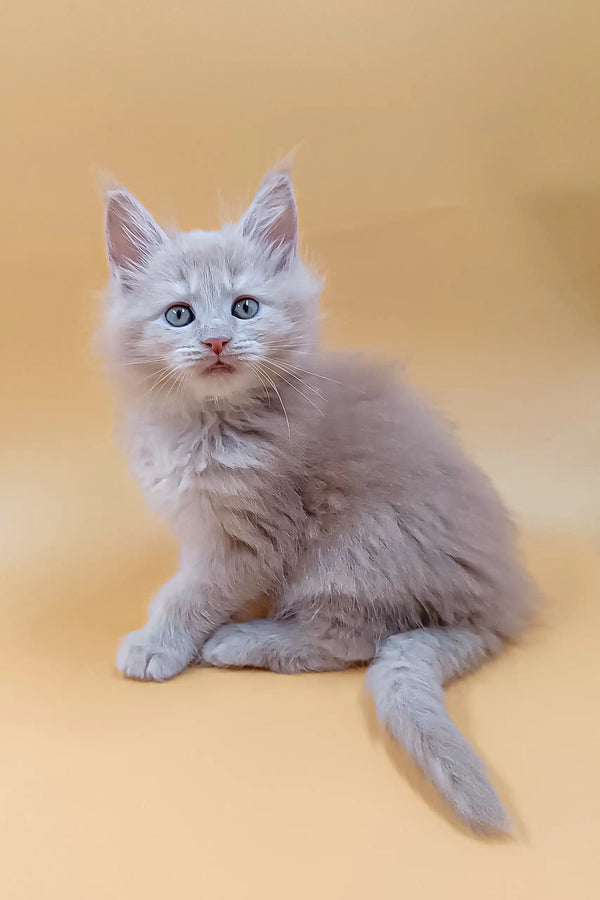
234, 645
140, 656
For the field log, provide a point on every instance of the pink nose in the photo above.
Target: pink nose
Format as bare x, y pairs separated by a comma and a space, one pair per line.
217, 344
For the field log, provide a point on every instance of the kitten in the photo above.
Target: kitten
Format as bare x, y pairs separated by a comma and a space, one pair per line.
311, 477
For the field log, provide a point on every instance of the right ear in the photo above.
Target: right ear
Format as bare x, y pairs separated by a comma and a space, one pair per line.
132, 235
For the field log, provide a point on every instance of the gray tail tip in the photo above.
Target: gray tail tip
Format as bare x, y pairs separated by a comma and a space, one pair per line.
501, 824
483, 811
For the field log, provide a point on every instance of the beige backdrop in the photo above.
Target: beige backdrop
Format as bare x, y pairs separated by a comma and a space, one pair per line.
448, 175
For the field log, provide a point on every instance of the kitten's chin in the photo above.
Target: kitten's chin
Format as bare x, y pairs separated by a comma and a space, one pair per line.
216, 384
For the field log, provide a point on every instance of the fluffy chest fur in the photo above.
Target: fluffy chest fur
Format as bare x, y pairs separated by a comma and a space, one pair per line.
209, 460
224, 484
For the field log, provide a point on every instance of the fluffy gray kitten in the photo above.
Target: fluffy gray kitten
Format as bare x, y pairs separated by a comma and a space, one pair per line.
310, 477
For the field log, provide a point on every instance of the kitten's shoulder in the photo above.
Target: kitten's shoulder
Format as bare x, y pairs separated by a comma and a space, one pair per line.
379, 392
358, 374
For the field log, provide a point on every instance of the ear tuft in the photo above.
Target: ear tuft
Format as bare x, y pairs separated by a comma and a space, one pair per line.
132, 235
271, 219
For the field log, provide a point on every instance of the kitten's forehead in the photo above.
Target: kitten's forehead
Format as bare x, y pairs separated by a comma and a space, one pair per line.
198, 251
203, 264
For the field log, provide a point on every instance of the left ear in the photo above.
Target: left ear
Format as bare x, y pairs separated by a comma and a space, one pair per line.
132, 235
272, 219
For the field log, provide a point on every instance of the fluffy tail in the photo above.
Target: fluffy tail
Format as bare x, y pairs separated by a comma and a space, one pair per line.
406, 681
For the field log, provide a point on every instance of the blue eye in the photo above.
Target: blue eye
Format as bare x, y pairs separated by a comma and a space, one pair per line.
245, 308
178, 316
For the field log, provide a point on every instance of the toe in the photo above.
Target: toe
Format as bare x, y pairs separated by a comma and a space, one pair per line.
148, 661
162, 665
216, 652
132, 660
231, 645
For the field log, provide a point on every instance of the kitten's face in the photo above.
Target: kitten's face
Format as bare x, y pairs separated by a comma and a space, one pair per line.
208, 314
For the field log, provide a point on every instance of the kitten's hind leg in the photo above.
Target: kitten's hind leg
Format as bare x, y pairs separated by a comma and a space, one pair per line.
279, 646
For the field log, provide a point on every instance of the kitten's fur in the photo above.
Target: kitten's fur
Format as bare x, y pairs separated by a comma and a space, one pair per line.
310, 477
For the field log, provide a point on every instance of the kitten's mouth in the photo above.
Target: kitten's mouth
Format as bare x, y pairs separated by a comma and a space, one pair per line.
219, 368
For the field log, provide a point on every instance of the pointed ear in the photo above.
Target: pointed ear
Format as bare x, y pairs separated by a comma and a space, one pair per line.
132, 235
272, 219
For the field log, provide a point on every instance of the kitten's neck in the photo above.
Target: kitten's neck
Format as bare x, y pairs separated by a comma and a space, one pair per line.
186, 412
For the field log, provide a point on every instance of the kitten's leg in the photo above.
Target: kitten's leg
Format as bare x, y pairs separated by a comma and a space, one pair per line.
279, 646
183, 614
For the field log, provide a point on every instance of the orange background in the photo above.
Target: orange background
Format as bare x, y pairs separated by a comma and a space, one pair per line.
448, 180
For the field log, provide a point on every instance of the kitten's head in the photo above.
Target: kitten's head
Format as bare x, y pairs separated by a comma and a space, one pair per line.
202, 315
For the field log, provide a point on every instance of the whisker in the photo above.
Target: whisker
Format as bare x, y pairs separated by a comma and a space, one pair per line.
142, 362
297, 377
261, 379
164, 379
179, 392
299, 392
275, 388
287, 348
316, 374
160, 381
154, 374
176, 379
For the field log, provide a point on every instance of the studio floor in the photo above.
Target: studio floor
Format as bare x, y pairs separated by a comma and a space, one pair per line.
467, 246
